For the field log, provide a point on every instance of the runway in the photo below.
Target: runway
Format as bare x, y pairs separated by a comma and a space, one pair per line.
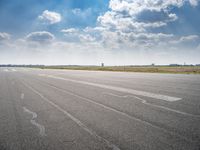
43, 109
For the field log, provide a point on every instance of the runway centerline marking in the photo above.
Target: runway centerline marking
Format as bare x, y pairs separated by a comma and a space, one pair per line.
33, 122
120, 89
153, 105
77, 121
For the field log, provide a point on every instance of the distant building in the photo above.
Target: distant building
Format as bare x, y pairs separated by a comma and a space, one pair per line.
102, 64
197, 64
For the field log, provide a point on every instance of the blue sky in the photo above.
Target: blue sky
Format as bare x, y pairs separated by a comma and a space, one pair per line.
116, 32
20, 16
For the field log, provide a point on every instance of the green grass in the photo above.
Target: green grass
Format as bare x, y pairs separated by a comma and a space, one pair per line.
150, 69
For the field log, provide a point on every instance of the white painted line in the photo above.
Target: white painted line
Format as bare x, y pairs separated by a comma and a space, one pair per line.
22, 95
6, 70
13, 70
120, 89
121, 113
33, 122
78, 122
153, 105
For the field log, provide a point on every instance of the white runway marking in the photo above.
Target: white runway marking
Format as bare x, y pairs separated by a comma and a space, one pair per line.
122, 113
78, 122
22, 96
120, 89
153, 105
13, 70
39, 126
6, 70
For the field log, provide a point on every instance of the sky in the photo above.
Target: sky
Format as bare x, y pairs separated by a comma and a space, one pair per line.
89, 32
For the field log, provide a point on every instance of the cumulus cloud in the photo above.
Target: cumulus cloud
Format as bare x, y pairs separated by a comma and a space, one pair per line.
50, 17
132, 7
40, 37
86, 38
4, 36
71, 34
185, 41
129, 23
70, 31
194, 2
139, 15
79, 35
189, 38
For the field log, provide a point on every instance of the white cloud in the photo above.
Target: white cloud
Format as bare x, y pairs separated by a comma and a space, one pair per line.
189, 38
4, 36
185, 41
50, 17
78, 35
93, 29
82, 13
194, 2
71, 34
70, 31
129, 23
140, 15
133, 7
40, 37
130, 15
86, 38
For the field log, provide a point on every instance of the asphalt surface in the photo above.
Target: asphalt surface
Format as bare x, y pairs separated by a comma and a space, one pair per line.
93, 110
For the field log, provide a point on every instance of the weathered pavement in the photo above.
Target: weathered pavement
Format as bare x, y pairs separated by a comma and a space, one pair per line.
91, 110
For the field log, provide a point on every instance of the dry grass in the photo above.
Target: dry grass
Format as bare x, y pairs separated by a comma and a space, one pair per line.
151, 69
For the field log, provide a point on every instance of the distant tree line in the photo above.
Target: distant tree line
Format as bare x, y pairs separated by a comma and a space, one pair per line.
44, 66
30, 66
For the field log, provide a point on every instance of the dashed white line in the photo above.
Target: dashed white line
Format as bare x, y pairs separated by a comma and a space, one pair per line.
39, 126
120, 89
78, 122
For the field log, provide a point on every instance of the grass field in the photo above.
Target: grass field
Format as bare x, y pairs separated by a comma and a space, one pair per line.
150, 69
